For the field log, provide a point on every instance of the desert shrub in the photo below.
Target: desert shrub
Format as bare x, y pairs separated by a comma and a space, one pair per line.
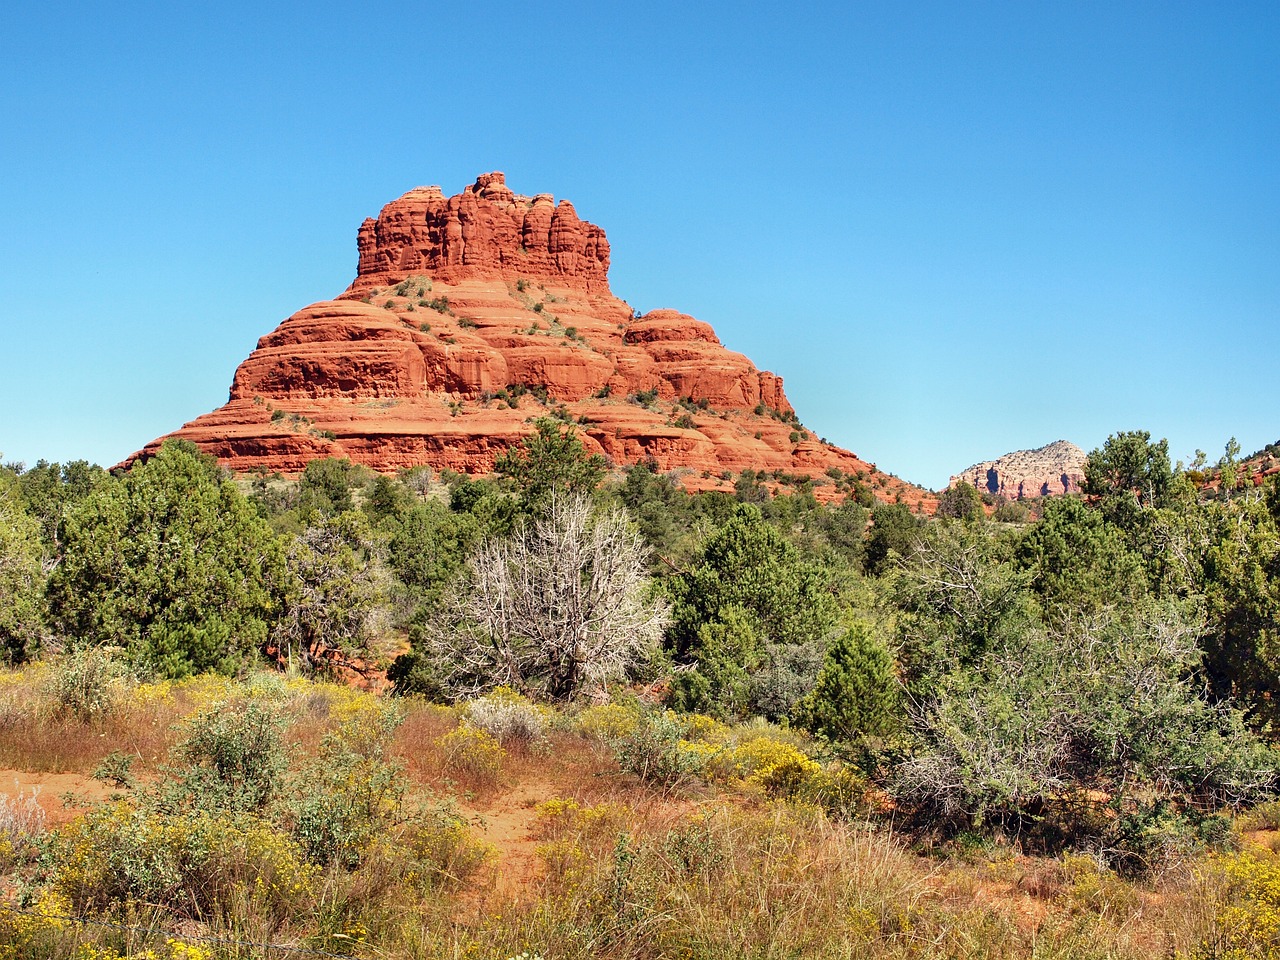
789, 673
657, 753
232, 759
576, 837
751, 752
763, 882
856, 694
472, 755
838, 789
1096, 737
1011, 511
351, 794
36, 931
561, 817
1248, 921
563, 605
894, 529
961, 502
1091, 887
443, 849
607, 722
85, 684
198, 865
509, 718
788, 774
775, 761
693, 848
333, 604
116, 769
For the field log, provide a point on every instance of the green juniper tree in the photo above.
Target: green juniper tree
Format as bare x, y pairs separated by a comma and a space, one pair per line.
171, 563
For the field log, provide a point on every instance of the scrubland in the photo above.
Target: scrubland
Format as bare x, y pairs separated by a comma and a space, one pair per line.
269, 816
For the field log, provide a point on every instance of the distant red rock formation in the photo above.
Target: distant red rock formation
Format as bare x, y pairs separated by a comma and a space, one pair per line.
1052, 470
471, 317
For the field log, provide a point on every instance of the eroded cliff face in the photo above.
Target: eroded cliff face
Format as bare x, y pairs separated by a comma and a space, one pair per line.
474, 315
484, 231
1052, 470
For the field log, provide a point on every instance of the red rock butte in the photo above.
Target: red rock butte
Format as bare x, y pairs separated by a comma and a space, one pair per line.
471, 317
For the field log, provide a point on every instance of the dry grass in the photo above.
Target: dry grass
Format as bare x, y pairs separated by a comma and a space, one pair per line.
591, 863
34, 738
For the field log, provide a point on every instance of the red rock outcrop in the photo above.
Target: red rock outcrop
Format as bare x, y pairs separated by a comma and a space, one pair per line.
471, 317
483, 231
1052, 470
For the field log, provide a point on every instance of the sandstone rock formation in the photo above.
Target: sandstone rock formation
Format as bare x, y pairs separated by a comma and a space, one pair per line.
472, 316
1051, 470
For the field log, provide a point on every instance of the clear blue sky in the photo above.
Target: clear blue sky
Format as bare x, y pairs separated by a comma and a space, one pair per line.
956, 229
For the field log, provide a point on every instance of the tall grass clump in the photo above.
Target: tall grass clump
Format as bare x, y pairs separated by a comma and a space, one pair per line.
22, 824
86, 685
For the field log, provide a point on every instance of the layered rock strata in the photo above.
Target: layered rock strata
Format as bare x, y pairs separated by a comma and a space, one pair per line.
1052, 470
472, 316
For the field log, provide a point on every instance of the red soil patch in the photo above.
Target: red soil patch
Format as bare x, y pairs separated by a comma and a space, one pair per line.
62, 796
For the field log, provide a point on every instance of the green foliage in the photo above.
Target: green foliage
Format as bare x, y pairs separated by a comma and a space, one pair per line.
1011, 511
1129, 474
171, 563
388, 498
1046, 724
116, 769
1079, 561
749, 606
494, 511
961, 502
21, 579
730, 649
231, 760
413, 674
432, 543
655, 751
843, 530
856, 695
552, 460
893, 531
326, 487
1239, 569
959, 597
49, 490
198, 866
350, 794
333, 594
658, 506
